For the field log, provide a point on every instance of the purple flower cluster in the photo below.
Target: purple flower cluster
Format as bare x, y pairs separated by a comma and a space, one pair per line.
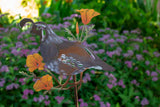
2, 82
46, 15
115, 52
21, 80
14, 29
128, 54
86, 78
105, 37
100, 51
153, 74
135, 82
129, 64
144, 102
82, 103
71, 17
112, 80
4, 68
59, 99
26, 92
120, 83
42, 98
92, 45
137, 97
157, 54
97, 98
104, 105
11, 86
139, 57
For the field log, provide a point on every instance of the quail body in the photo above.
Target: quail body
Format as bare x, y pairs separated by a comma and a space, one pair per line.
64, 57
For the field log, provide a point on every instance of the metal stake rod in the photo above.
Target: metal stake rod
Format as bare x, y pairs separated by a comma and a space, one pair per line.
75, 92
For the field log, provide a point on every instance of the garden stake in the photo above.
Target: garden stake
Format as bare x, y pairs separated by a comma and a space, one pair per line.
75, 92
63, 57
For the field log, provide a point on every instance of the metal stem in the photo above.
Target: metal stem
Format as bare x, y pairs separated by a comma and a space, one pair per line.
75, 92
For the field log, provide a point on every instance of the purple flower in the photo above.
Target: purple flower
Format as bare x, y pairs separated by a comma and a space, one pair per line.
97, 98
15, 52
92, 71
14, 29
2, 82
139, 57
120, 40
101, 30
110, 86
25, 97
41, 98
4, 68
47, 102
33, 43
157, 54
107, 28
149, 38
137, 97
110, 41
46, 97
145, 51
80, 100
116, 35
67, 18
136, 47
110, 54
32, 38
74, 15
147, 62
31, 92
120, 83
154, 78
135, 82
148, 72
136, 68
129, 64
35, 99
83, 104
47, 15
26, 92
59, 99
108, 104
125, 31
102, 104
19, 45
86, 78
100, 51
16, 86
154, 74
24, 52
34, 51
144, 102
10, 87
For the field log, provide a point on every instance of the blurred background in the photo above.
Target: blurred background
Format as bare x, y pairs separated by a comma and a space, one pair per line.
126, 36
117, 14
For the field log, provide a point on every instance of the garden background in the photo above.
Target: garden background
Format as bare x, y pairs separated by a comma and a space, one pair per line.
126, 36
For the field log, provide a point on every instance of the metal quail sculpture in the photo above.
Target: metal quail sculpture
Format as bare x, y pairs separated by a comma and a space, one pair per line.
64, 57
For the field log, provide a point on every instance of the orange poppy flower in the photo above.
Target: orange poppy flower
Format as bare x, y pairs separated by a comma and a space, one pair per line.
87, 15
44, 83
77, 28
34, 62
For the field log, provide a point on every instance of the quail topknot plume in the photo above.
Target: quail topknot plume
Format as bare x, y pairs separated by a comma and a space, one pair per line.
64, 57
